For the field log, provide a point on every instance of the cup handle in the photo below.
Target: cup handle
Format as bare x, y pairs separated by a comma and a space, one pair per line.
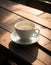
36, 32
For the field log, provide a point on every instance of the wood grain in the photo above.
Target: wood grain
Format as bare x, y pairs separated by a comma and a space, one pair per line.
48, 46
43, 41
7, 18
44, 31
16, 6
10, 6
37, 62
44, 57
4, 38
46, 16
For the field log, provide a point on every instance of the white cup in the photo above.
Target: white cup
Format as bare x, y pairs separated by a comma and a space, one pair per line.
26, 29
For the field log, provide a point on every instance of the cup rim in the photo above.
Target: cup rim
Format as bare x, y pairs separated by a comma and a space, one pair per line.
33, 25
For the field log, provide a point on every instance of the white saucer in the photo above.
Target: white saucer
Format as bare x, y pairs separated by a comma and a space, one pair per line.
15, 38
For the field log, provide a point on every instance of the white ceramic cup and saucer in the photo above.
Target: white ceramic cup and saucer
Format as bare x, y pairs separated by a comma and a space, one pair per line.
25, 33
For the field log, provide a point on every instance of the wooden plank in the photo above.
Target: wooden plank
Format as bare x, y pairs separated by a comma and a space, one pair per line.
48, 46
21, 7
7, 18
43, 41
32, 17
46, 16
4, 37
44, 31
37, 62
35, 19
44, 57
40, 5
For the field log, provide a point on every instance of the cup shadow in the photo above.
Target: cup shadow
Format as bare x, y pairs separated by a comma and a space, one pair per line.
27, 52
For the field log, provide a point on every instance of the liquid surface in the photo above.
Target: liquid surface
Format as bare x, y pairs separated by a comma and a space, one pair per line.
25, 27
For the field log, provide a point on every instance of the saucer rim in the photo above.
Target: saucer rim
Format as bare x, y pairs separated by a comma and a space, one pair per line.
22, 43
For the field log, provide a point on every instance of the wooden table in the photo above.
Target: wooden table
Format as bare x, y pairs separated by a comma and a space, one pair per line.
36, 54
